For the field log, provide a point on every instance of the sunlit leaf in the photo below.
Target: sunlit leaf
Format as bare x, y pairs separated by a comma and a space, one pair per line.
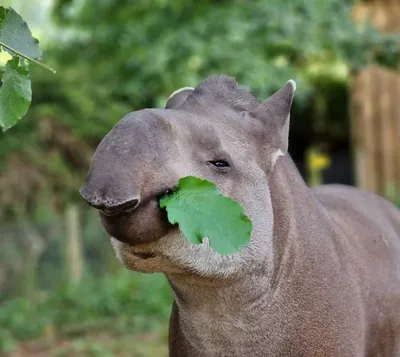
15, 33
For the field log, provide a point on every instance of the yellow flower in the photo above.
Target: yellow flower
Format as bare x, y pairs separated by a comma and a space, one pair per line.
319, 161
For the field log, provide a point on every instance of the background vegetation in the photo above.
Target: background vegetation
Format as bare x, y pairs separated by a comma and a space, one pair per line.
62, 292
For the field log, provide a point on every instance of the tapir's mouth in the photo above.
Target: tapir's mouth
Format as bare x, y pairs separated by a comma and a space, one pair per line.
146, 223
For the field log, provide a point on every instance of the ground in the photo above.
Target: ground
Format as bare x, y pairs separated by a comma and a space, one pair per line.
152, 344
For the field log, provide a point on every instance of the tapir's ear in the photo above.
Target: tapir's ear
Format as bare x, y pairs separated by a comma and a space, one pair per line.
178, 97
275, 113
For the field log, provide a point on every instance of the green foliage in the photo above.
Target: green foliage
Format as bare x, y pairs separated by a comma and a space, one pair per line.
15, 34
263, 45
202, 211
15, 93
127, 302
392, 193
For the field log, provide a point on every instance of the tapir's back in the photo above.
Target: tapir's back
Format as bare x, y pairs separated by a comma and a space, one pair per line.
369, 228
362, 213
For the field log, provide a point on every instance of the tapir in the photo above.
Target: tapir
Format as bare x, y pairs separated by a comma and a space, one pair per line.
320, 276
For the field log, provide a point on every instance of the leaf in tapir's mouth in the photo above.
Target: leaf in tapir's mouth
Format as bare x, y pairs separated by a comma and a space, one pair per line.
201, 210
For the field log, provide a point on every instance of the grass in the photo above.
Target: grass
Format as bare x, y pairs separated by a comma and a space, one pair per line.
117, 315
104, 344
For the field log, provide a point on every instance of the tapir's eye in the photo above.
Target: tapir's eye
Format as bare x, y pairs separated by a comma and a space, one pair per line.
219, 163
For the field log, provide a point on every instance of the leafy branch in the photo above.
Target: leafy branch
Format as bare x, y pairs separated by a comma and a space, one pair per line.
15, 89
41, 64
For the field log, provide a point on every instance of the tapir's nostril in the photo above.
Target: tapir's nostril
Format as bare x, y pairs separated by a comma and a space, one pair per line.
113, 208
123, 207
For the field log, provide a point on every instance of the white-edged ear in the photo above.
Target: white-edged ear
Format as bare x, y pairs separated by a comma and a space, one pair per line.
293, 84
180, 90
274, 112
178, 97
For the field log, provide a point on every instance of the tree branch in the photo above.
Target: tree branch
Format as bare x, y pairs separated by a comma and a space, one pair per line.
28, 58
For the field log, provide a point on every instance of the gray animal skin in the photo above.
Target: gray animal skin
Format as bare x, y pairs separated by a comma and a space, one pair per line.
321, 274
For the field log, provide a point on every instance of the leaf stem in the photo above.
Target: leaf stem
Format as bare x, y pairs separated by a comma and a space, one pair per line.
28, 58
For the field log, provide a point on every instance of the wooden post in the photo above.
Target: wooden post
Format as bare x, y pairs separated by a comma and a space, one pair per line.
74, 254
387, 107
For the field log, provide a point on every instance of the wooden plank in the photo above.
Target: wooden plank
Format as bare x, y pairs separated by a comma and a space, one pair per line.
380, 134
370, 172
387, 132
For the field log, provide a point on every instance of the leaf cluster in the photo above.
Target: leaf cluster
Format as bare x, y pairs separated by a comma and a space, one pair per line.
15, 92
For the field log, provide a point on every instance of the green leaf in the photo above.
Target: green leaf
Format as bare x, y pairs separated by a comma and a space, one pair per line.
15, 93
15, 34
202, 211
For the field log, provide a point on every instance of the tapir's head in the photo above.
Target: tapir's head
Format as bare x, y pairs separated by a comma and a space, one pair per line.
215, 131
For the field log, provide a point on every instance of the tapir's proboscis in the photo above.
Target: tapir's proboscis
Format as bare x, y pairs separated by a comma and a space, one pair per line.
320, 276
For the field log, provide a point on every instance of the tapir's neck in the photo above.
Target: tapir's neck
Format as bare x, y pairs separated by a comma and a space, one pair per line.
210, 315
297, 215
218, 319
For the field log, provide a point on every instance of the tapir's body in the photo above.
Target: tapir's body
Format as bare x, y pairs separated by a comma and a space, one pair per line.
321, 275
335, 292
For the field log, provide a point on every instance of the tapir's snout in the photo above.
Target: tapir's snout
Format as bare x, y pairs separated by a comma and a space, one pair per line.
124, 213
126, 217
130, 169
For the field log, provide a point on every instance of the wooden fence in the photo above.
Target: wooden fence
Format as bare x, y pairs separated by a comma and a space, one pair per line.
385, 14
375, 122
376, 130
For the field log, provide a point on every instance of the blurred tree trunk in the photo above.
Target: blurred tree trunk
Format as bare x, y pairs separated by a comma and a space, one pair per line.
74, 254
33, 247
